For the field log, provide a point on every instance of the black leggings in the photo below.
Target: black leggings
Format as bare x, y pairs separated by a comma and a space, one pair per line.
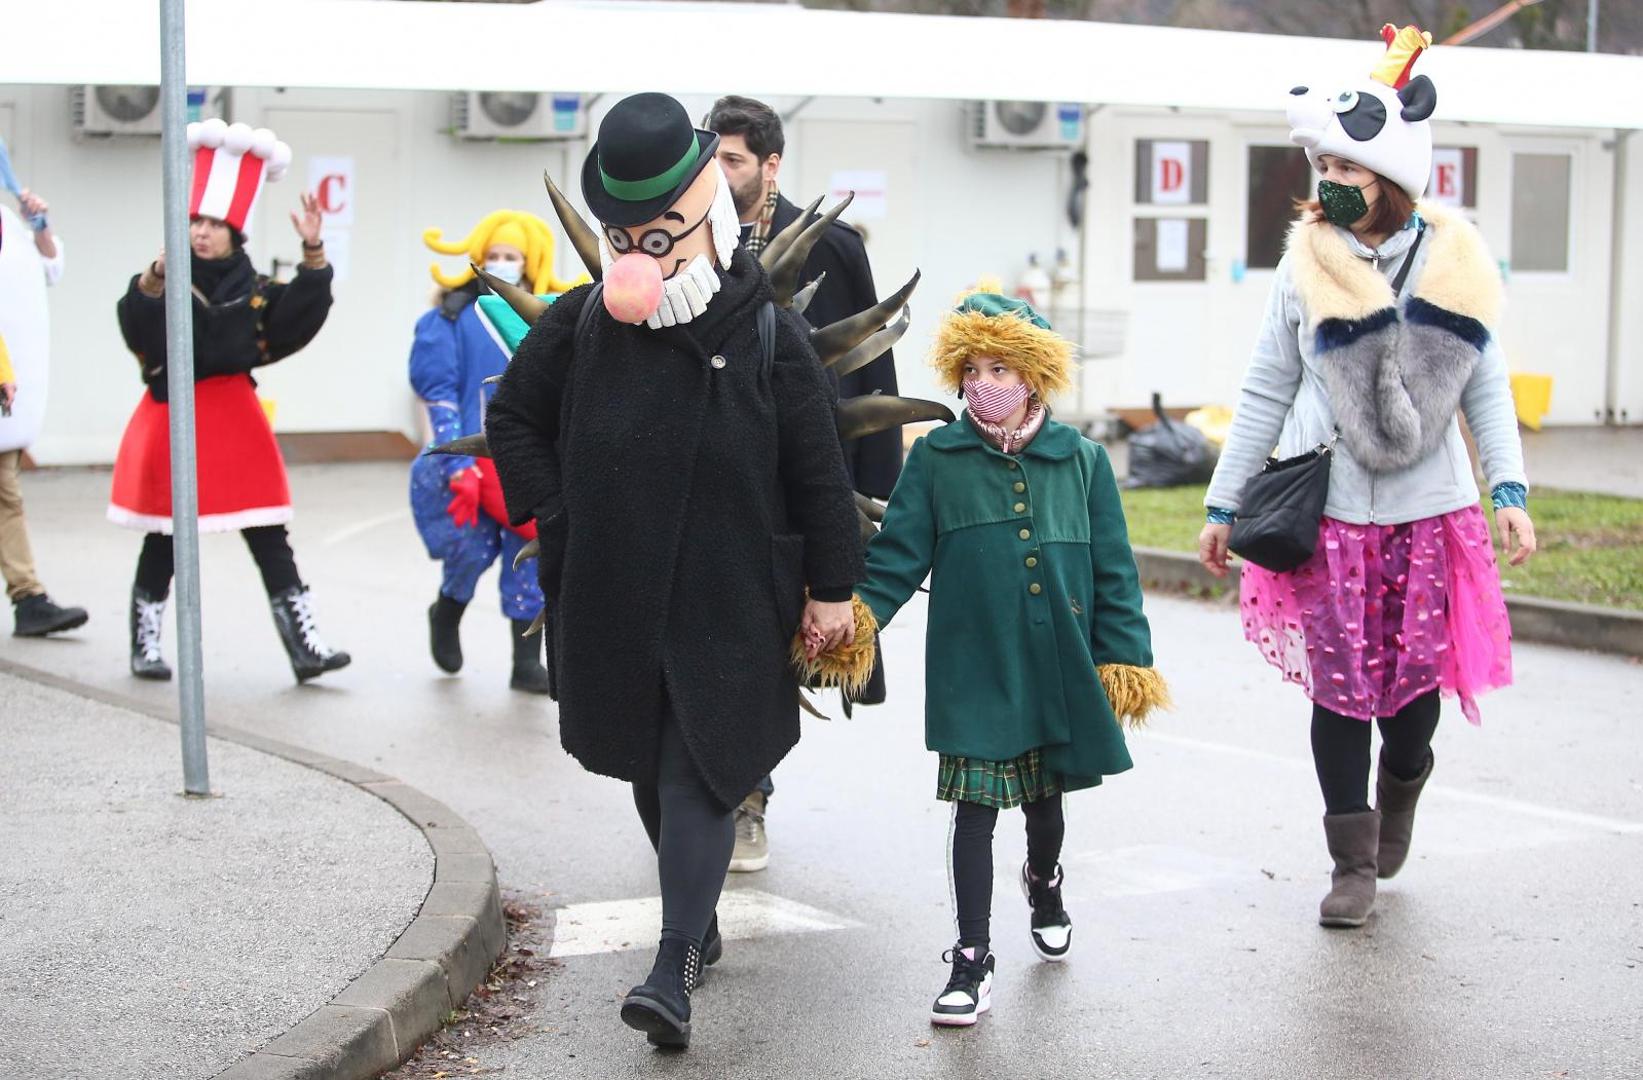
692, 834
971, 860
269, 545
1340, 750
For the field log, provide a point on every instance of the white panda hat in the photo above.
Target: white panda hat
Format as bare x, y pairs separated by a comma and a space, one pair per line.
1383, 122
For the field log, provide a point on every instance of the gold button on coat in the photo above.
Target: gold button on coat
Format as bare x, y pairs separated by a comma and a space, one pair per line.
1025, 534
1035, 588
1032, 561
1010, 465
1019, 507
717, 362
1020, 487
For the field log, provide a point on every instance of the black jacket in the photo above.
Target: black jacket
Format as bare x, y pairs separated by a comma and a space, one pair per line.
246, 320
874, 461
682, 509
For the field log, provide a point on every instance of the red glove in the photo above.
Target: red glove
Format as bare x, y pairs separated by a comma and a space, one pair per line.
464, 504
491, 501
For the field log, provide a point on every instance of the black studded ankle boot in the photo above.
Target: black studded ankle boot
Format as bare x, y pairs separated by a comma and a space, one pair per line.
294, 618
444, 640
660, 1006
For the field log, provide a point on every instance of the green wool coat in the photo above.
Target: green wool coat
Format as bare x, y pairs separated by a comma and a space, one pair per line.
1032, 585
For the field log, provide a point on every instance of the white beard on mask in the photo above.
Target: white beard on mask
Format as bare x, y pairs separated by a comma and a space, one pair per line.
686, 294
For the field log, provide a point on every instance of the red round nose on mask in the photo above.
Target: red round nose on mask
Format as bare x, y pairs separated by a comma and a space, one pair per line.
991, 402
633, 288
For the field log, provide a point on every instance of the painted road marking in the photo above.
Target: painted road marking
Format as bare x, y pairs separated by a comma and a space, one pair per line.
1496, 802
617, 925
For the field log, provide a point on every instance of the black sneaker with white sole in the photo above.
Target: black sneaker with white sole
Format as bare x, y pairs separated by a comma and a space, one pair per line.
1052, 929
969, 991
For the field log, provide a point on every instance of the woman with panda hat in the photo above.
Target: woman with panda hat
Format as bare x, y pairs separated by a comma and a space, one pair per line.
1379, 333
242, 321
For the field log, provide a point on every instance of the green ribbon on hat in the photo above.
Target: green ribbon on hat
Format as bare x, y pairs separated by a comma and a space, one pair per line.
640, 190
993, 305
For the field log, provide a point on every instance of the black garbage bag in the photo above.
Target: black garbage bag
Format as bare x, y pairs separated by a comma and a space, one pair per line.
1169, 454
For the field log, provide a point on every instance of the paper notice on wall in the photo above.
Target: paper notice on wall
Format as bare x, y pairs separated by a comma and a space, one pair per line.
1171, 172
1448, 183
872, 199
1172, 246
337, 249
331, 179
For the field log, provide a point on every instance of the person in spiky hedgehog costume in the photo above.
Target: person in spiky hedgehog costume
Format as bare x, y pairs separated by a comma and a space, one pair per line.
1037, 648
456, 502
673, 435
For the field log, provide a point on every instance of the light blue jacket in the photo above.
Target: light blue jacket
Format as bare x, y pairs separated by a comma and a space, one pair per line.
1284, 403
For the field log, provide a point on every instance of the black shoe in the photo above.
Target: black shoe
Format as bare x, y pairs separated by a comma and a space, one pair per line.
37, 616
969, 991
660, 1006
528, 673
147, 619
1051, 926
444, 641
294, 618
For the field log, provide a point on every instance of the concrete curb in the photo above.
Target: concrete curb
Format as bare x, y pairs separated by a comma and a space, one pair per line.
1548, 622
384, 1015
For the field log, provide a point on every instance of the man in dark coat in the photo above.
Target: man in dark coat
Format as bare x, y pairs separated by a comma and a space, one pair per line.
751, 143
687, 488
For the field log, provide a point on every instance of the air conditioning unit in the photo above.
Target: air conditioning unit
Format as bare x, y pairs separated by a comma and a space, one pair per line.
134, 110
511, 114
1026, 125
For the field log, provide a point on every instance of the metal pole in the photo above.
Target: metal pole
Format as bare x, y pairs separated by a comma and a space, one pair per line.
1591, 25
179, 323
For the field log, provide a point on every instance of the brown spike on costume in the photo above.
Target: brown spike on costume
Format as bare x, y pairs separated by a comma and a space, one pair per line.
489, 379
836, 339
537, 623
804, 703
531, 550
873, 348
870, 507
467, 446
871, 413
785, 269
778, 244
802, 298
582, 237
524, 302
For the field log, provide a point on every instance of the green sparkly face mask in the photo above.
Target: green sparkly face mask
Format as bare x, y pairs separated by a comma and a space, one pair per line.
1343, 204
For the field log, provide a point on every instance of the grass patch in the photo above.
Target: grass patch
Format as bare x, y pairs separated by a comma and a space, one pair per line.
1591, 546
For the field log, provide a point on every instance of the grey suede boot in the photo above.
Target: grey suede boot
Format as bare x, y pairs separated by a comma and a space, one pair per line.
1396, 799
1353, 841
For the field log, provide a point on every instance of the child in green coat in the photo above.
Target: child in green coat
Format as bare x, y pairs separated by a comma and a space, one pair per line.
1037, 646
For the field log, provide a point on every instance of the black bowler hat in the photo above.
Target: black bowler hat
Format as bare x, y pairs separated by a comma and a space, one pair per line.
648, 152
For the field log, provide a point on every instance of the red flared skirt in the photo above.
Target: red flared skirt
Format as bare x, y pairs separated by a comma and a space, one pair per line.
241, 473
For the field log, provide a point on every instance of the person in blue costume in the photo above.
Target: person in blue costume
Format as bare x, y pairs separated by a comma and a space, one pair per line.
456, 501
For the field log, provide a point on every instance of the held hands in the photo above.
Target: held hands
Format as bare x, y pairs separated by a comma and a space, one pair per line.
826, 625
1212, 547
31, 204
8, 394
1514, 527
308, 223
464, 504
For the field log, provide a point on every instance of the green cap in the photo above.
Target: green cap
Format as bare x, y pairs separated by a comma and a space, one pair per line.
993, 305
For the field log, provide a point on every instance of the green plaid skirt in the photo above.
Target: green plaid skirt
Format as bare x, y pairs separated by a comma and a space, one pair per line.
996, 783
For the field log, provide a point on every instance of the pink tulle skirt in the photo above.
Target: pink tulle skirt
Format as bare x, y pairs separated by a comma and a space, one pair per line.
1382, 614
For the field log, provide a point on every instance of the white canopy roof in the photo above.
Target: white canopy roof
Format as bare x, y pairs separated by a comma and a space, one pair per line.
622, 46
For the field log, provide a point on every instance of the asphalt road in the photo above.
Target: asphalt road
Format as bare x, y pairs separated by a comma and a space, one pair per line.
1510, 946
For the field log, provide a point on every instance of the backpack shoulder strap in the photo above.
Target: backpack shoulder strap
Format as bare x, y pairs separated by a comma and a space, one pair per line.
585, 316
767, 334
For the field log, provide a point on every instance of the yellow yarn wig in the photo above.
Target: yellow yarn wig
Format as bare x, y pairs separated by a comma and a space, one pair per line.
527, 232
990, 325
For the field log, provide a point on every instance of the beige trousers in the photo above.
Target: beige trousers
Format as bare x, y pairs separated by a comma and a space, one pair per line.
16, 558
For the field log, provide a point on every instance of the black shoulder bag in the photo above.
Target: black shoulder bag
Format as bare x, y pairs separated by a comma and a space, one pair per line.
1276, 527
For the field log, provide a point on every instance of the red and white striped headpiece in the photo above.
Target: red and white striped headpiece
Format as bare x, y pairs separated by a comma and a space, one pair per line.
231, 163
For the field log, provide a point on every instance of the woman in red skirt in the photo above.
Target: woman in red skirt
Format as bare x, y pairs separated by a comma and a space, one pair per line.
242, 321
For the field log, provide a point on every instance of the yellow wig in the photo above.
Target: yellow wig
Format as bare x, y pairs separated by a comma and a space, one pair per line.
994, 326
527, 232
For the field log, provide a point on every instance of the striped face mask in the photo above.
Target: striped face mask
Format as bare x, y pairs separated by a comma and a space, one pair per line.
991, 402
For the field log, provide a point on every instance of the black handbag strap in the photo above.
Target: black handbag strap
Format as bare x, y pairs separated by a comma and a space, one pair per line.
1408, 262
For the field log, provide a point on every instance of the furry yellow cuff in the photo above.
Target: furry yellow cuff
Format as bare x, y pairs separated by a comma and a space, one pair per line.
846, 666
1134, 692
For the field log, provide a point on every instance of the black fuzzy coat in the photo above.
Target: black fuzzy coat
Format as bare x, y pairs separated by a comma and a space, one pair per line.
682, 510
